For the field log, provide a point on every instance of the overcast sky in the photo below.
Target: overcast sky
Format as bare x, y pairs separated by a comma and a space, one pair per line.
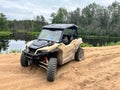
28, 9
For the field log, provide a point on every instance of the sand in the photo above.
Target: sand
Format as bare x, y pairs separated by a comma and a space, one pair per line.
100, 70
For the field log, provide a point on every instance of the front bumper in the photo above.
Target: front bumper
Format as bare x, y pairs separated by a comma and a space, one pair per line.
31, 56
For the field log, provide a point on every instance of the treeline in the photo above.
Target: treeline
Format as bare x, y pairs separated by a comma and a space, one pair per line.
92, 20
22, 25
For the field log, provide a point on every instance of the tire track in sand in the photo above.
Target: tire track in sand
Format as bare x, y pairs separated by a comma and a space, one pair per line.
98, 71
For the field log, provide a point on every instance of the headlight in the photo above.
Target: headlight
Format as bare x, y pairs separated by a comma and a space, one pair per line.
27, 49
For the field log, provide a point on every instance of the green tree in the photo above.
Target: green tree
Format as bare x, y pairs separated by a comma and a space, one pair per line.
3, 22
74, 17
38, 23
60, 16
114, 25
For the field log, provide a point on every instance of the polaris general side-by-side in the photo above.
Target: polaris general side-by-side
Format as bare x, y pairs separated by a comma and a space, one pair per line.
57, 44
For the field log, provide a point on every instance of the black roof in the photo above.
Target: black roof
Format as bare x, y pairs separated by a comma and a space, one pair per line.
60, 26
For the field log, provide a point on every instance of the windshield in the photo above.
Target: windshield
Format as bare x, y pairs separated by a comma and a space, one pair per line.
52, 35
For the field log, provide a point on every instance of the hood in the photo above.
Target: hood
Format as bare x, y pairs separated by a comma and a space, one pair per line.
39, 44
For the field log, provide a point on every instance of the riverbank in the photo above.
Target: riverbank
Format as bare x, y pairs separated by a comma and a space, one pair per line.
8, 40
8, 33
98, 45
5, 33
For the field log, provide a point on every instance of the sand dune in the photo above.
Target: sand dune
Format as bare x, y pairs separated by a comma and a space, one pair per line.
100, 70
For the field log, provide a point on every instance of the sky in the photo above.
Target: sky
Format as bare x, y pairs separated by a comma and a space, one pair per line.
28, 9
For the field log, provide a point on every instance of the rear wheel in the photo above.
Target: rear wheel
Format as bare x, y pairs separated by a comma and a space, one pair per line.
79, 55
52, 67
23, 61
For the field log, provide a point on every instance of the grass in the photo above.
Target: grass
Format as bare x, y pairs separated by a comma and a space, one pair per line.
28, 32
118, 43
14, 51
112, 43
98, 37
5, 33
21, 31
33, 33
98, 45
109, 44
86, 45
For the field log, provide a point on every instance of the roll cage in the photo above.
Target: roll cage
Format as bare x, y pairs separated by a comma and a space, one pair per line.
69, 31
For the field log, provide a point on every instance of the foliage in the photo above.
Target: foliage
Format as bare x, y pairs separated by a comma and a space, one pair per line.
112, 43
15, 51
3, 22
28, 32
118, 43
38, 23
5, 33
33, 33
74, 17
93, 20
60, 16
27, 25
85, 45
98, 45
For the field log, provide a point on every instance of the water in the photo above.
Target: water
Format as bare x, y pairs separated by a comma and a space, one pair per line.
17, 42
14, 45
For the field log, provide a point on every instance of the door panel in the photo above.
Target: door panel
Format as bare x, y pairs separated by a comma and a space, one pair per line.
68, 51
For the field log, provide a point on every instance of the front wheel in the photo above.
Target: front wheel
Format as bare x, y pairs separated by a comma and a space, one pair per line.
52, 67
23, 61
79, 55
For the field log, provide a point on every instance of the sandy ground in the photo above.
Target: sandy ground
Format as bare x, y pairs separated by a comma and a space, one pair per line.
100, 70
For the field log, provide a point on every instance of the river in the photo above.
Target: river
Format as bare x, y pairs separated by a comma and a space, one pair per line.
16, 43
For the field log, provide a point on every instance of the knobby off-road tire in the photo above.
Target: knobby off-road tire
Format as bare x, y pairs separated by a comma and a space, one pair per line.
79, 55
52, 67
23, 62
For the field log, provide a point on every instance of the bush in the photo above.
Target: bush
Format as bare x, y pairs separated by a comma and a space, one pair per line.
5, 33
15, 51
33, 33
112, 43
86, 45
118, 43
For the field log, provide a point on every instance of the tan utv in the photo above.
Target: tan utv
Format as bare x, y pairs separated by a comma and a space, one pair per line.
56, 45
